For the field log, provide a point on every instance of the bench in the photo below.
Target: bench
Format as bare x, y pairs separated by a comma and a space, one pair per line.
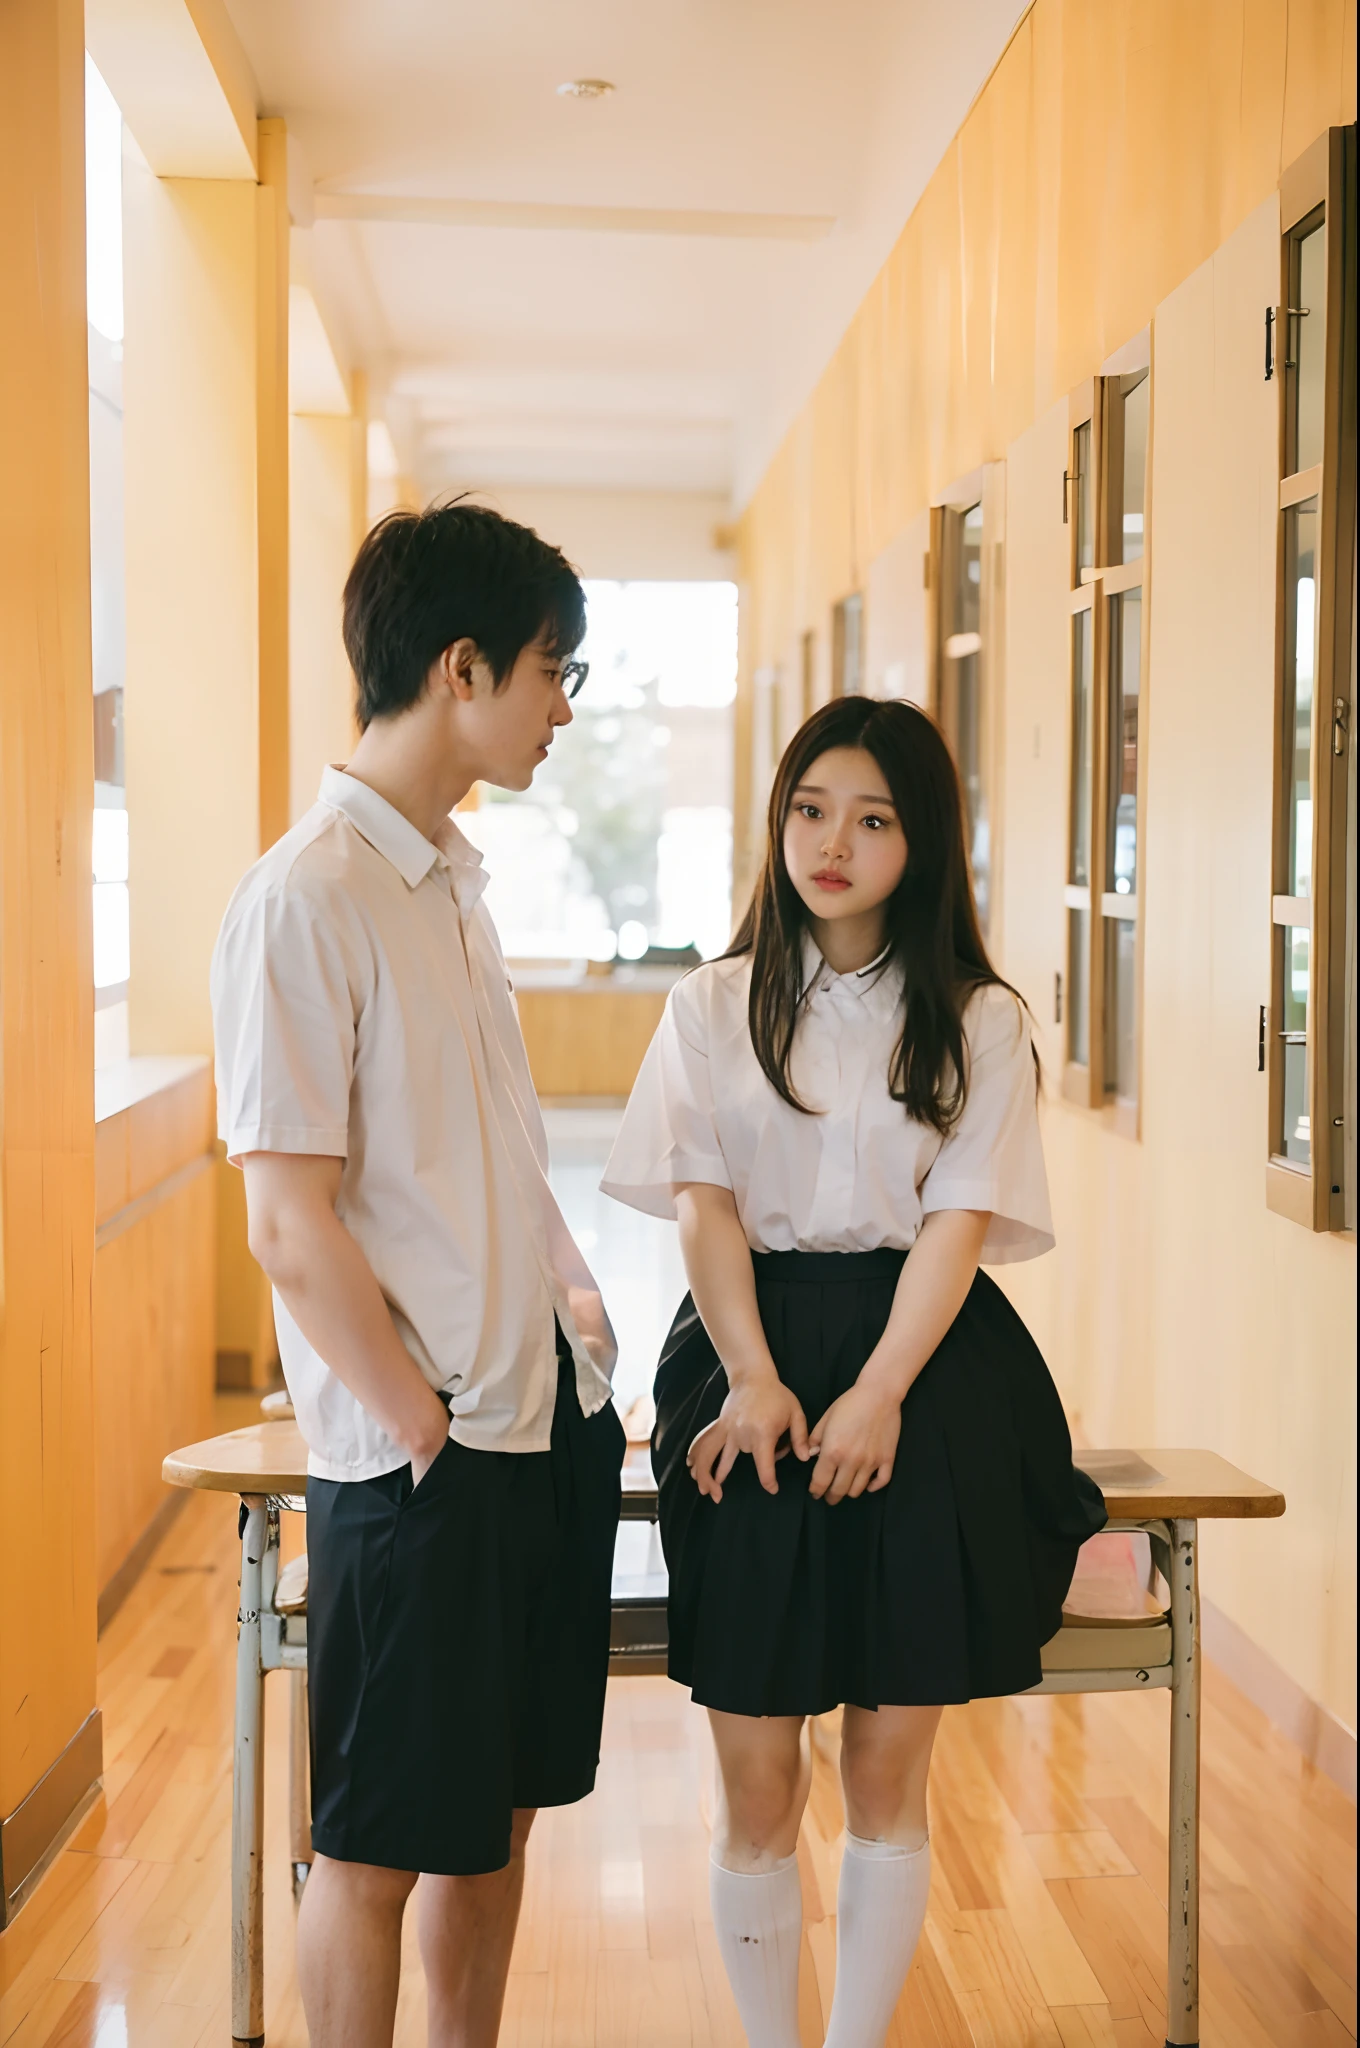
1154, 1643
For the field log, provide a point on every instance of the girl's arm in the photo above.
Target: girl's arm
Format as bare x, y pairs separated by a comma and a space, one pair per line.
856, 1439
759, 1410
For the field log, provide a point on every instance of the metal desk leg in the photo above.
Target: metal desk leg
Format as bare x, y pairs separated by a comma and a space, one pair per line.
299, 1782
1182, 1959
247, 1802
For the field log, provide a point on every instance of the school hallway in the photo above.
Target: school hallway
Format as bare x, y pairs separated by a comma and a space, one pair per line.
978, 385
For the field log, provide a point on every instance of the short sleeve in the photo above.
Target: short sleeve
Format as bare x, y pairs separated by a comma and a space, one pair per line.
993, 1159
283, 1027
669, 1131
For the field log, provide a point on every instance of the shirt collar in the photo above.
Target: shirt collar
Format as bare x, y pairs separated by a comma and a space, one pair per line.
464, 862
818, 975
398, 841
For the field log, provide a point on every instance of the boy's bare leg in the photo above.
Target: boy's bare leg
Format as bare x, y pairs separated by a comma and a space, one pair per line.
467, 1927
349, 1952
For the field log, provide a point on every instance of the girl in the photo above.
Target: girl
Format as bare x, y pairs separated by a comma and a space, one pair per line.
866, 1480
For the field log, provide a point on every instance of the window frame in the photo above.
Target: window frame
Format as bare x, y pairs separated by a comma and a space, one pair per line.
984, 487
807, 673
848, 680
1092, 588
1322, 182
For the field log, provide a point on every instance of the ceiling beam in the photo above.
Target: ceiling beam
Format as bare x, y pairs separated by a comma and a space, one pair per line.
609, 220
182, 81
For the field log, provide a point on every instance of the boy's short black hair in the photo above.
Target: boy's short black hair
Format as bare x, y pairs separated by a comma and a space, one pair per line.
422, 580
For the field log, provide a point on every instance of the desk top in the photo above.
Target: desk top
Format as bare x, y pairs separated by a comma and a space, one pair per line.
1141, 1486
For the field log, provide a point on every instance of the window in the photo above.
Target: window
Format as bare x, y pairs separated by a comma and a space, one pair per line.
1105, 494
964, 575
847, 647
622, 846
807, 653
1305, 1031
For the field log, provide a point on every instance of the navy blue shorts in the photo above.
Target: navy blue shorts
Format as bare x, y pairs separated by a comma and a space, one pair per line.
458, 1644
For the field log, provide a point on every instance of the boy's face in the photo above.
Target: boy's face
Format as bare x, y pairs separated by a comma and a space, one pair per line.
506, 732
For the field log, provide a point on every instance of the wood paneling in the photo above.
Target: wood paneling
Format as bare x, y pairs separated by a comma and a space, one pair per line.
168, 1119
1047, 1921
47, 1592
1119, 170
154, 1358
154, 1288
1110, 152
1175, 1304
587, 1041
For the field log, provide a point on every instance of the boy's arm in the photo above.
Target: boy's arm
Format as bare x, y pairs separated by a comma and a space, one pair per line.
329, 1289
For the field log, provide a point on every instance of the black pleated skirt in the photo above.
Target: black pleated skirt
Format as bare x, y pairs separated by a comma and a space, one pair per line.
942, 1587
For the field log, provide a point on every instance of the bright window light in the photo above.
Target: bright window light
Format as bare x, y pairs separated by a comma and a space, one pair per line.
103, 207
110, 846
624, 840
682, 636
112, 950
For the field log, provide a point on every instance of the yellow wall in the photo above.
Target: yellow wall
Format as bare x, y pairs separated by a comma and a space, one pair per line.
206, 709
321, 688
191, 705
1119, 169
47, 1591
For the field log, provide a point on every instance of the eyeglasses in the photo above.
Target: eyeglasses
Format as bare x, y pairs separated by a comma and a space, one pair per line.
573, 675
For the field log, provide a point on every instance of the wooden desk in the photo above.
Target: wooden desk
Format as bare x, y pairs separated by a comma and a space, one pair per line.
1163, 1494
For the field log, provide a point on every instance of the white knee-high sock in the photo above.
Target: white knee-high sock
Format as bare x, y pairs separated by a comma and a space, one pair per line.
880, 1910
759, 1923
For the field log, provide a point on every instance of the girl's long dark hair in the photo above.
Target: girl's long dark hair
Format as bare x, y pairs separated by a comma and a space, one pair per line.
931, 929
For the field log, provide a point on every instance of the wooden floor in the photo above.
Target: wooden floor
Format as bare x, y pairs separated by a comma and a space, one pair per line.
1047, 1921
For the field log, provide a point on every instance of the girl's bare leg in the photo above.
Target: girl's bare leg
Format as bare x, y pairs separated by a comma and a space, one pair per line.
885, 1762
763, 1776
763, 1780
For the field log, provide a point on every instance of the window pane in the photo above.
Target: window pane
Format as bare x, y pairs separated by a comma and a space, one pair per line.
1137, 392
1121, 853
1085, 497
1307, 331
1079, 987
1121, 1071
111, 955
1294, 1138
1300, 646
1079, 864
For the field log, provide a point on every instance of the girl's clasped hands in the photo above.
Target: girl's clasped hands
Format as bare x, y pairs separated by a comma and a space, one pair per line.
854, 1444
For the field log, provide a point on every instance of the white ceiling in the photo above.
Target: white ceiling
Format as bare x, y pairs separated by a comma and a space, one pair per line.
650, 353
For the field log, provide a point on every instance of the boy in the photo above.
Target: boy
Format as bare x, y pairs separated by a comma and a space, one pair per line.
446, 1348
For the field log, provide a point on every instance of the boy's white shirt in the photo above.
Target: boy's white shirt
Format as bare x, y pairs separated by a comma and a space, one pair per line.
362, 1010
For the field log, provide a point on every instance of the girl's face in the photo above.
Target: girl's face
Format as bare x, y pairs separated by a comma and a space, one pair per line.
844, 845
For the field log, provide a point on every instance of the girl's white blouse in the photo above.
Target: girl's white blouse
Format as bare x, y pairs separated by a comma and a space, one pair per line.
859, 1175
